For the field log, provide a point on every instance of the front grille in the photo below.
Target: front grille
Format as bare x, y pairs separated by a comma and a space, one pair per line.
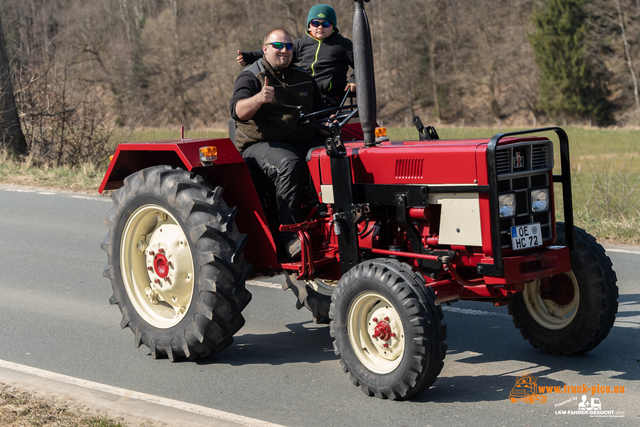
523, 157
539, 157
521, 168
503, 162
409, 168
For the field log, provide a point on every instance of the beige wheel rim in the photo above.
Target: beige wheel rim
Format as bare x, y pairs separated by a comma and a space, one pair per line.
376, 333
549, 310
323, 287
157, 266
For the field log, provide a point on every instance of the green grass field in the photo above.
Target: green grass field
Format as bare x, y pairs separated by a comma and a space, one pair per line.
604, 162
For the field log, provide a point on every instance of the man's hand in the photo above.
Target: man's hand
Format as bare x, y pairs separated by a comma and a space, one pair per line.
246, 108
267, 93
241, 60
350, 86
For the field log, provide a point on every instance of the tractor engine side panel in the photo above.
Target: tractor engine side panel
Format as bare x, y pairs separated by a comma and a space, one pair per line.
459, 218
432, 164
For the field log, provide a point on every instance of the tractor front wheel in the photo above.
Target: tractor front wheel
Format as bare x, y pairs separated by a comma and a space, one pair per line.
387, 329
570, 313
175, 263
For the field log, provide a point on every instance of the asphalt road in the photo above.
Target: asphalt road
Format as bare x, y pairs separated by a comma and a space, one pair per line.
55, 316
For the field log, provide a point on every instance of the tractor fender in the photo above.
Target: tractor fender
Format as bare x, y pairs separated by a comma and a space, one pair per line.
228, 170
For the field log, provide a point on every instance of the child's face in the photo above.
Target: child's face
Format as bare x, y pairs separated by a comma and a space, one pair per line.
317, 30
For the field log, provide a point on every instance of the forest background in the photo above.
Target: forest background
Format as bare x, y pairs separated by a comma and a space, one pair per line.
84, 70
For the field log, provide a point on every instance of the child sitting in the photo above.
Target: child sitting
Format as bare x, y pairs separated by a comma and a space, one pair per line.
322, 52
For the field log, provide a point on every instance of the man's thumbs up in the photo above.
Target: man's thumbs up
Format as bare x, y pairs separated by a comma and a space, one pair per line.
268, 92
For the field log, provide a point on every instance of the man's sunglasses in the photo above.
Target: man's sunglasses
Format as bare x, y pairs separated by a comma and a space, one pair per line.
280, 45
325, 24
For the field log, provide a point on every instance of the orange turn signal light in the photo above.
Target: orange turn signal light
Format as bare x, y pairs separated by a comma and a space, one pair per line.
380, 132
208, 154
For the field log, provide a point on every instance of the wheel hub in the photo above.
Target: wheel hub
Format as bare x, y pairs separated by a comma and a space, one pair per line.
383, 334
553, 302
161, 264
376, 332
169, 266
558, 288
383, 331
157, 266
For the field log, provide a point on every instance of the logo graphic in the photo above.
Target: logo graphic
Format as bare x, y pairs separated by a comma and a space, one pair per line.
526, 389
518, 161
321, 15
594, 406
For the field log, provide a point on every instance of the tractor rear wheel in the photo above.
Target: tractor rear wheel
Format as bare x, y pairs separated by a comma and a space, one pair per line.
313, 294
570, 313
388, 331
175, 263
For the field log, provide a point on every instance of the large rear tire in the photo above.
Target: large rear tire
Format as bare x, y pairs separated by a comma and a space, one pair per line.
387, 329
570, 313
315, 295
175, 263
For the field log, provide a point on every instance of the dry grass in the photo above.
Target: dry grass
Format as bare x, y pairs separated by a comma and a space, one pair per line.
20, 408
85, 179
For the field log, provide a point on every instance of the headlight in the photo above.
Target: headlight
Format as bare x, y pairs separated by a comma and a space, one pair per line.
507, 204
539, 200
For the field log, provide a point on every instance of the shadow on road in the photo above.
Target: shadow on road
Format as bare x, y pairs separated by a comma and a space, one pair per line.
495, 341
304, 342
484, 343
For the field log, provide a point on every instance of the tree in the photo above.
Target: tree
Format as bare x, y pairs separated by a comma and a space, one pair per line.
11, 136
571, 84
627, 54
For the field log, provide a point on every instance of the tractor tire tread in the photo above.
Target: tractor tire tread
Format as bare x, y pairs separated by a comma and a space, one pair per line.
589, 260
215, 314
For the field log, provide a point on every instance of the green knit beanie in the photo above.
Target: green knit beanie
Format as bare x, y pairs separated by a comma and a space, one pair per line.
324, 12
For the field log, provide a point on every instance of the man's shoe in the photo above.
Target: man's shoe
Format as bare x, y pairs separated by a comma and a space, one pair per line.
294, 248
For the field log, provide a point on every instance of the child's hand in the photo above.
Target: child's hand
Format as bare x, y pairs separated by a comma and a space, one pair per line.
350, 86
241, 60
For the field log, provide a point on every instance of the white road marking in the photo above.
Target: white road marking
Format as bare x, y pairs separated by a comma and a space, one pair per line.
474, 312
264, 284
55, 193
89, 198
624, 251
129, 394
444, 307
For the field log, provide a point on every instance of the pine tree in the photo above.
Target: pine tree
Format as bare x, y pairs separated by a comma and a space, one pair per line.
570, 85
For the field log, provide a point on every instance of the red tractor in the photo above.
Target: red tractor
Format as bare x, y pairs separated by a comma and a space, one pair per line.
400, 228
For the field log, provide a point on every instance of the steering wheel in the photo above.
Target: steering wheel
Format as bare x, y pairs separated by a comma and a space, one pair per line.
331, 119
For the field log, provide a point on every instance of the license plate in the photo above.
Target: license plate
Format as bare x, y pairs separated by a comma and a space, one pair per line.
526, 236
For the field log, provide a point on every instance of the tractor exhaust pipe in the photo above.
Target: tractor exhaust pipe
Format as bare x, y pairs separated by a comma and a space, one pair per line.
365, 79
